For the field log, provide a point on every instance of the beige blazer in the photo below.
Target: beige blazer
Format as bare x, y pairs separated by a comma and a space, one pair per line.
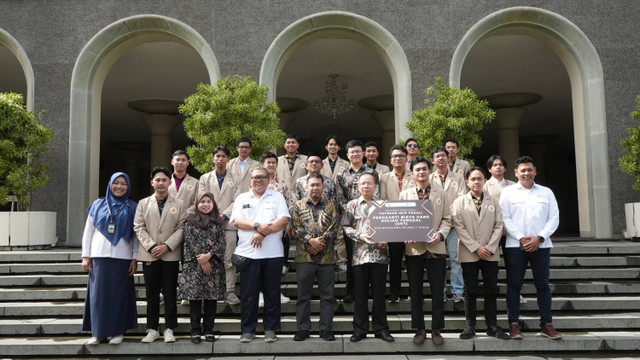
225, 196
390, 187
290, 177
187, 192
381, 169
153, 229
454, 186
341, 165
243, 180
441, 216
491, 187
477, 230
461, 167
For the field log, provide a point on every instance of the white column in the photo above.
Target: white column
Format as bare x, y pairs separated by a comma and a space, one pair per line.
161, 118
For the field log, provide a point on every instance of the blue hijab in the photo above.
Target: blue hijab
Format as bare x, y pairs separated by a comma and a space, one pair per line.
120, 210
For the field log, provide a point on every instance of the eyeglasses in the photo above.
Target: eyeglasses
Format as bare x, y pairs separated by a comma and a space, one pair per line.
314, 161
259, 177
398, 156
355, 152
412, 145
244, 147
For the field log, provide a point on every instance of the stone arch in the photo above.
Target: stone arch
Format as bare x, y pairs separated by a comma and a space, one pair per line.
352, 26
587, 86
89, 73
12, 44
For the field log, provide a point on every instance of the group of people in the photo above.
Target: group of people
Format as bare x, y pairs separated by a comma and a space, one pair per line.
242, 217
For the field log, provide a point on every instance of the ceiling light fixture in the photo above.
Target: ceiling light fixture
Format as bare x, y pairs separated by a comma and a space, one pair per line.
335, 103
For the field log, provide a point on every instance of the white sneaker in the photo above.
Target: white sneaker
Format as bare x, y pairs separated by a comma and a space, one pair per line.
285, 269
522, 300
284, 299
232, 299
116, 340
151, 336
168, 336
260, 300
342, 267
93, 341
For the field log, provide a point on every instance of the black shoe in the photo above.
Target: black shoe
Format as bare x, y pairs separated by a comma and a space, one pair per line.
420, 337
327, 335
196, 339
301, 335
393, 298
437, 338
497, 332
347, 299
468, 333
357, 337
384, 335
209, 338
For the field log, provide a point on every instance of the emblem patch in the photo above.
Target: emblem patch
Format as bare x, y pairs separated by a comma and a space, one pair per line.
174, 210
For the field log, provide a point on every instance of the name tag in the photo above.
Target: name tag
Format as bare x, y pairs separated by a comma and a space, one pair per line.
111, 228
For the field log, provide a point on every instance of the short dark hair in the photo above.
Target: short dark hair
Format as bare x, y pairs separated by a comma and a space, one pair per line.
420, 159
399, 147
494, 158
162, 169
354, 143
316, 176
267, 155
313, 153
374, 174
326, 142
291, 136
484, 173
439, 149
412, 139
259, 168
450, 140
180, 152
244, 139
221, 148
524, 160
372, 143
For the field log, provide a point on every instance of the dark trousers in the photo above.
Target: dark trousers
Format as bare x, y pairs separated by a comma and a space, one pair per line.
195, 313
364, 275
436, 273
517, 266
262, 275
396, 253
161, 275
286, 244
348, 244
306, 273
470, 273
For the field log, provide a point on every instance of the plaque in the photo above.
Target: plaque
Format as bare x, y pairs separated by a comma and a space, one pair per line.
401, 220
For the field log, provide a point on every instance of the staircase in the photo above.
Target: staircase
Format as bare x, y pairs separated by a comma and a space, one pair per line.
596, 305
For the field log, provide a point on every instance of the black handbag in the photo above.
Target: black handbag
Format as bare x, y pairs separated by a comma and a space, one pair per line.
240, 262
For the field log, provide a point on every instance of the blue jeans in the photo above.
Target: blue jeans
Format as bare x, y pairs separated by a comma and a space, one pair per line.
262, 275
456, 278
516, 268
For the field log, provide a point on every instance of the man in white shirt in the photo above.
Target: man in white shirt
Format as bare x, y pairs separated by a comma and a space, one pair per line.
260, 216
530, 216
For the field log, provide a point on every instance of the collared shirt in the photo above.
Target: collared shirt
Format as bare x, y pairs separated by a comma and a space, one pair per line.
529, 212
267, 208
311, 220
355, 222
291, 160
96, 245
347, 185
477, 202
178, 181
280, 186
423, 194
328, 194
332, 163
242, 164
221, 178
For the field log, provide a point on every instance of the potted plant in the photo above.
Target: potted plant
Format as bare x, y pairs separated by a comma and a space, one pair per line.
630, 163
22, 140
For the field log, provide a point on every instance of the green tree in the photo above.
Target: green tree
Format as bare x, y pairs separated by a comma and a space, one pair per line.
221, 114
450, 112
630, 162
22, 140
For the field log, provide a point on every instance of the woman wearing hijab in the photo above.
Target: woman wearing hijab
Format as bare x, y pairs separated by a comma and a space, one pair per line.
109, 253
203, 274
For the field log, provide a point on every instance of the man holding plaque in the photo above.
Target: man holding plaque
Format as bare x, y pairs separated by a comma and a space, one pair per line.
431, 253
370, 262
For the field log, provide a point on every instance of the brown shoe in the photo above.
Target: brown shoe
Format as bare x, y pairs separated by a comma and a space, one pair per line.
547, 330
420, 337
514, 331
436, 338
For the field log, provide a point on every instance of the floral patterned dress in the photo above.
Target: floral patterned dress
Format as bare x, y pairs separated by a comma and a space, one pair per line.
193, 284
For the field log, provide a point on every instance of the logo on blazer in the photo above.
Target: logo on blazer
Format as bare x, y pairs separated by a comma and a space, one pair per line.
174, 210
190, 187
341, 168
491, 208
302, 166
439, 201
454, 184
230, 183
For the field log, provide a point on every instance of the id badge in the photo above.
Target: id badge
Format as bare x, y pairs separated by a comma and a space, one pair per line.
111, 228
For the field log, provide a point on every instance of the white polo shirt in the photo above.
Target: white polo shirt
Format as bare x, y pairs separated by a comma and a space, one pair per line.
265, 209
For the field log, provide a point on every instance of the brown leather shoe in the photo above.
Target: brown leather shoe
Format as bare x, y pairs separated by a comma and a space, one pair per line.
514, 331
436, 338
420, 337
547, 330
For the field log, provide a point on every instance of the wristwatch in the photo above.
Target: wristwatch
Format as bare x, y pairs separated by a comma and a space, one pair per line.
255, 225
541, 239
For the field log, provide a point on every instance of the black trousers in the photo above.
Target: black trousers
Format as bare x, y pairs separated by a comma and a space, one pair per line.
396, 253
195, 313
436, 272
348, 244
470, 273
161, 275
364, 275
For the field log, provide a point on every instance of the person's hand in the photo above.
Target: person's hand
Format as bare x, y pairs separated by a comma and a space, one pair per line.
316, 245
434, 237
483, 252
366, 238
290, 233
265, 228
86, 264
530, 243
256, 240
133, 266
159, 251
206, 268
203, 258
